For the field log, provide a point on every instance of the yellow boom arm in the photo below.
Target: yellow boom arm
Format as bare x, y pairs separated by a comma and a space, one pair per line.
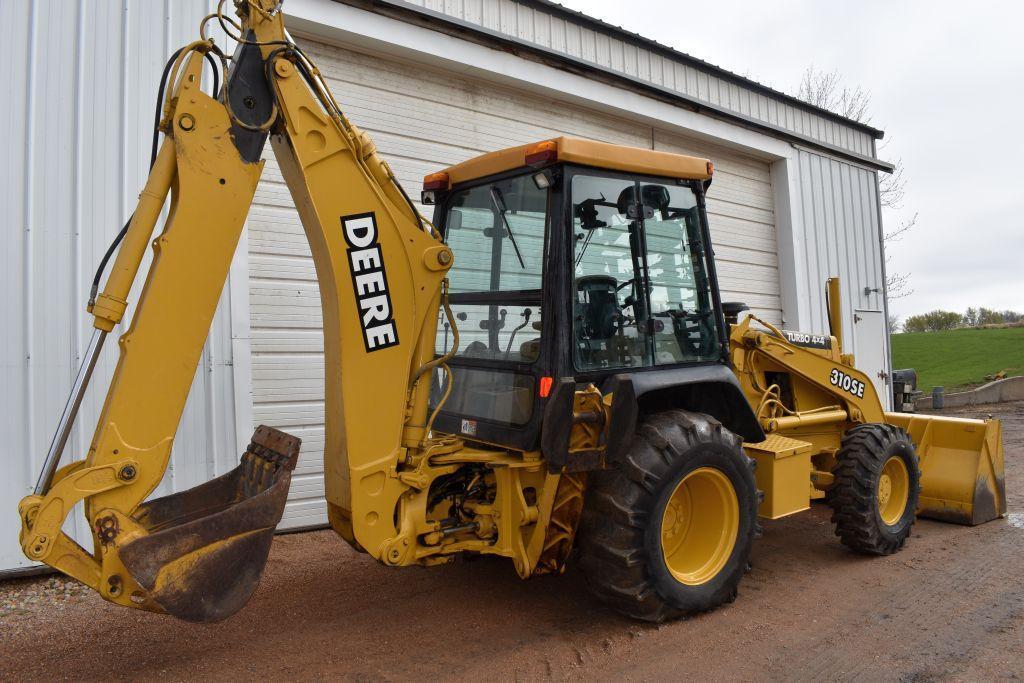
380, 267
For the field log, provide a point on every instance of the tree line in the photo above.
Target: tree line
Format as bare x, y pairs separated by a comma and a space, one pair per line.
938, 320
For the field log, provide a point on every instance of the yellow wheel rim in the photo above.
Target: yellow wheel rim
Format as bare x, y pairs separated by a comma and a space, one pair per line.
699, 526
893, 490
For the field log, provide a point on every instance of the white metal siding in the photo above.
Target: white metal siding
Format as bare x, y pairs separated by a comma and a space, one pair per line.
742, 219
841, 237
704, 82
81, 80
422, 120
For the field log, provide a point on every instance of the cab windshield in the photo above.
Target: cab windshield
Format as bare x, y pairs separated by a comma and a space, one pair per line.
497, 232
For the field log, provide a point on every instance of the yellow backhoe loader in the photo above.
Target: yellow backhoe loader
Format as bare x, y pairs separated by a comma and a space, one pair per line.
548, 369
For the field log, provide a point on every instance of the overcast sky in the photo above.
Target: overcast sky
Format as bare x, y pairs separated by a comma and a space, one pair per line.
947, 86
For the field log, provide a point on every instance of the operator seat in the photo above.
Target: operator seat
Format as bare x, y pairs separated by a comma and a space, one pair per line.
598, 308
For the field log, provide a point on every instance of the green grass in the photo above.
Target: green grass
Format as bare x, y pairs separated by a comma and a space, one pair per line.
959, 358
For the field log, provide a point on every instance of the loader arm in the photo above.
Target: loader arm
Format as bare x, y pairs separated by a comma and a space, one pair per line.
961, 460
858, 400
380, 268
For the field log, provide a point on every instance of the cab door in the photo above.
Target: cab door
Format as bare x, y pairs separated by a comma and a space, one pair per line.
497, 230
642, 278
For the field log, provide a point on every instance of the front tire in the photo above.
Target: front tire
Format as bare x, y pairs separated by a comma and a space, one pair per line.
670, 531
877, 485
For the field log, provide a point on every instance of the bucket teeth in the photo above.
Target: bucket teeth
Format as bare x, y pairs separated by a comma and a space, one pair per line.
207, 546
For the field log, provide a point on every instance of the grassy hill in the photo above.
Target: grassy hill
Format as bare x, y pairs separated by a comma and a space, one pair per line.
959, 358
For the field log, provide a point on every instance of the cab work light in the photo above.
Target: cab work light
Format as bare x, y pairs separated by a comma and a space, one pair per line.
432, 184
542, 153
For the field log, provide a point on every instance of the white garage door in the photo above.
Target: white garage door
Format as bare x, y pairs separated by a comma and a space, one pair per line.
423, 120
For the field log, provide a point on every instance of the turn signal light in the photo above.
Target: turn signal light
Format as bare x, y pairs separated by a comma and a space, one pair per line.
711, 168
435, 181
545, 386
542, 153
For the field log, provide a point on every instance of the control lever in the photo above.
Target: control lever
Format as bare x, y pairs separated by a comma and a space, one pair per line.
499, 325
526, 321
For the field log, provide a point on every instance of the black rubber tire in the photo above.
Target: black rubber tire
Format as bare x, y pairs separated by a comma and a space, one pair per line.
854, 498
620, 550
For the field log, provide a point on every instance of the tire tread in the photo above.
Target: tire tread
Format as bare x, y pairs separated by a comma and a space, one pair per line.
865, 449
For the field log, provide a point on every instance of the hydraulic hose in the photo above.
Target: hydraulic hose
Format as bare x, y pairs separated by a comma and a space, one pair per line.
94, 290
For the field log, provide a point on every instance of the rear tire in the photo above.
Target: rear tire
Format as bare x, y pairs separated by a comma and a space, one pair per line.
637, 547
877, 484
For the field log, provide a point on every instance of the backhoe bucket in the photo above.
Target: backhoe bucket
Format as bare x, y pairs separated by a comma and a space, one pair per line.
962, 478
207, 546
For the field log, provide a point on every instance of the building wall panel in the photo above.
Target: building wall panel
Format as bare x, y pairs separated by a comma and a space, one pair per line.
841, 234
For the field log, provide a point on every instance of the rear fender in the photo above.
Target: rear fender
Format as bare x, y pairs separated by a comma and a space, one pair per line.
709, 389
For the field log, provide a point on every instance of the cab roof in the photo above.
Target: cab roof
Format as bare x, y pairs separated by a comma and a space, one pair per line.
576, 151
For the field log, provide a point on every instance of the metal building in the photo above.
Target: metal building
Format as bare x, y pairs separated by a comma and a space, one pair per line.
794, 200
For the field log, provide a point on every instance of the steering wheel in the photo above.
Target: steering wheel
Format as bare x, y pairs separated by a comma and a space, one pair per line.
630, 298
685, 323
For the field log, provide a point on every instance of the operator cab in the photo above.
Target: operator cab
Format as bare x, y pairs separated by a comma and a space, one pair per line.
576, 259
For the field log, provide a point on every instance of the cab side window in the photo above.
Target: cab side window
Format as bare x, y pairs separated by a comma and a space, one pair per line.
642, 290
608, 307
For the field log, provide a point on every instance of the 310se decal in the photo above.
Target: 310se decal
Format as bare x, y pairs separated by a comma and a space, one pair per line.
846, 383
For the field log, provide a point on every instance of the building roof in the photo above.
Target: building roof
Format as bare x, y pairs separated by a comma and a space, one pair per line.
618, 31
551, 34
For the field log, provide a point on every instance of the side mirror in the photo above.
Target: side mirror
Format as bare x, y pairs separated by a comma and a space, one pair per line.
655, 196
586, 211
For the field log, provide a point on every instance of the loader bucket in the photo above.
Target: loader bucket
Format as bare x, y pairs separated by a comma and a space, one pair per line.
962, 478
207, 546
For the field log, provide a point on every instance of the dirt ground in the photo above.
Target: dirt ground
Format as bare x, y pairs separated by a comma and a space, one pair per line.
950, 606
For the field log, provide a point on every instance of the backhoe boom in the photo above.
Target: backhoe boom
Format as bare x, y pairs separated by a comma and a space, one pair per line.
380, 267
